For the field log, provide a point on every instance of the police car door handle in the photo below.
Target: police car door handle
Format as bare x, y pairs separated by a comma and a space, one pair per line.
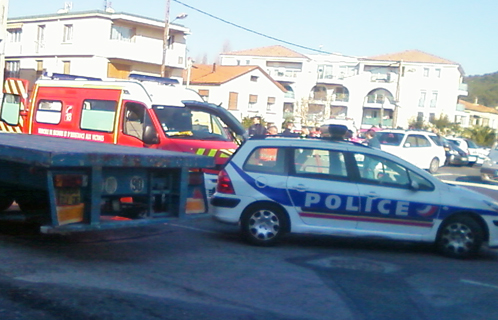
372, 195
300, 187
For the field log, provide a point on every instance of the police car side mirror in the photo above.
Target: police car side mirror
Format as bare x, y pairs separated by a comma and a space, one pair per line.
150, 135
414, 186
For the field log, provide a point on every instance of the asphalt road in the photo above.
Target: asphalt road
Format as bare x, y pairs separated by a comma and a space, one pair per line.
200, 269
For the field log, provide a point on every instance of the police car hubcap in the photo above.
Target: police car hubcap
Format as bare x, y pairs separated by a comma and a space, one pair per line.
458, 237
264, 225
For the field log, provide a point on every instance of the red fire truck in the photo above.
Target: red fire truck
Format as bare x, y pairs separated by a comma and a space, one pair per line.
146, 112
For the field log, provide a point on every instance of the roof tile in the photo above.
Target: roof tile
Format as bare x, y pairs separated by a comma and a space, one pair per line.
271, 51
411, 56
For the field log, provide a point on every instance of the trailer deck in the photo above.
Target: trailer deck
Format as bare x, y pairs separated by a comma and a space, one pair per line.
79, 185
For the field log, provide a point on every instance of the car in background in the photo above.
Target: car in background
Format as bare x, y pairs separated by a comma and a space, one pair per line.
423, 149
454, 155
273, 186
475, 153
489, 168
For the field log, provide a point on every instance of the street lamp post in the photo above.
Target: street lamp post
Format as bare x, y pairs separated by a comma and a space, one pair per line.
166, 35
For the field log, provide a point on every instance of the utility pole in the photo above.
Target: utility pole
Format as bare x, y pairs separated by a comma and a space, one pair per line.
165, 38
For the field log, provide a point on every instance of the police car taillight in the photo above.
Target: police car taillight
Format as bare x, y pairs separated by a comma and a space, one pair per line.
224, 183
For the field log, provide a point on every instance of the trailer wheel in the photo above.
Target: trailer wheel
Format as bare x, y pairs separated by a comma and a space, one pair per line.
6, 199
33, 200
5, 203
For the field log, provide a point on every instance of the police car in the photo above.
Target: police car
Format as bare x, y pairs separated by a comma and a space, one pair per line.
275, 185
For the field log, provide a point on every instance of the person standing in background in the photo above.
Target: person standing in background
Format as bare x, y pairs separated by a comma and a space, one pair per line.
372, 140
256, 129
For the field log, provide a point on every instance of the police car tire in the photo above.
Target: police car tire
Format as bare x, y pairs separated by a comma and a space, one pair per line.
434, 166
456, 230
263, 224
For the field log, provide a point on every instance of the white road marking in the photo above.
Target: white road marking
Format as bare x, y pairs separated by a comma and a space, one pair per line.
448, 174
471, 184
479, 283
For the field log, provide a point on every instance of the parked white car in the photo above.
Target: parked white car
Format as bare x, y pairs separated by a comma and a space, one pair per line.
423, 149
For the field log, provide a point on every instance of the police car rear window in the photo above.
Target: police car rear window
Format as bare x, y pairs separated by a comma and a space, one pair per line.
266, 160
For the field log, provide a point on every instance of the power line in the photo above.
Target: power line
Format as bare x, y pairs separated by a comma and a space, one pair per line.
249, 30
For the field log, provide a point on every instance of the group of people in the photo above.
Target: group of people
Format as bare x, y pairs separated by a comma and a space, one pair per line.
257, 129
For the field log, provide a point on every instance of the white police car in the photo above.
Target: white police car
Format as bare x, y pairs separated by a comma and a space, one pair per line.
274, 185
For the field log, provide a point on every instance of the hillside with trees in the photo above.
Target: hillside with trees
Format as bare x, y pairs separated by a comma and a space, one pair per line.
484, 88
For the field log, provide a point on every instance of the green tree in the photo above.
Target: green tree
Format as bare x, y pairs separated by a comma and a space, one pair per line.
482, 135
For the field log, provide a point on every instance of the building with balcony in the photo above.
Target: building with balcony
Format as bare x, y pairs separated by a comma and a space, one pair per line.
102, 44
246, 91
475, 114
387, 91
4, 5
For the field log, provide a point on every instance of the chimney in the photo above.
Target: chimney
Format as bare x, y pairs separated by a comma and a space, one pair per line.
476, 99
214, 67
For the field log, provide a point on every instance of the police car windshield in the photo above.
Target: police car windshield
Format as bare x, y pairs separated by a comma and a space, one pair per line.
390, 138
185, 123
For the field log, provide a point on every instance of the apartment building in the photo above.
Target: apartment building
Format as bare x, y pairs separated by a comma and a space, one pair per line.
103, 44
246, 91
4, 6
387, 91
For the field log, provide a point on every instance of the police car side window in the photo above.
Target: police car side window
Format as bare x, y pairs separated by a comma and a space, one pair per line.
380, 171
266, 160
319, 163
423, 184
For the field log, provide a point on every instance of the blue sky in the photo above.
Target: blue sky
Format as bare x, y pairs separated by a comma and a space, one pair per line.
460, 31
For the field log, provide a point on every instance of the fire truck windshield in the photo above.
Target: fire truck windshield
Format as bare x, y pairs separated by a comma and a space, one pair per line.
185, 123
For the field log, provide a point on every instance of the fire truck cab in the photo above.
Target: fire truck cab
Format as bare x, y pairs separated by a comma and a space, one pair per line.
146, 112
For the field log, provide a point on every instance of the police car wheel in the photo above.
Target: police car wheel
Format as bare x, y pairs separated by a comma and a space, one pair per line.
460, 237
434, 166
263, 224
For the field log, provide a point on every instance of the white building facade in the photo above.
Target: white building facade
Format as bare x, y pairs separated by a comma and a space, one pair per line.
95, 44
385, 91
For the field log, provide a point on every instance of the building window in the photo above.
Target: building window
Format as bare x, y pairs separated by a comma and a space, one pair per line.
180, 60
15, 35
12, 69
420, 116
171, 41
438, 73
434, 100
67, 67
421, 100
270, 104
122, 33
426, 72
248, 62
39, 68
432, 117
41, 36
232, 100
254, 78
204, 94
253, 99
68, 33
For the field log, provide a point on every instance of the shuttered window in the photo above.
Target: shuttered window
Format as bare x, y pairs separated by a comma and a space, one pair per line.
232, 101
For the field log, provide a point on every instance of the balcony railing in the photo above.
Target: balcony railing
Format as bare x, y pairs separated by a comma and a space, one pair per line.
376, 122
460, 107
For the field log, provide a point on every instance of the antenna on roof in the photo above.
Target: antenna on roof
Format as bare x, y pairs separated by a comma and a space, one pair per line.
67, 7
108, 6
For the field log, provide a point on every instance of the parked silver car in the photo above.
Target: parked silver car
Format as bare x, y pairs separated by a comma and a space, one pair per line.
489, 168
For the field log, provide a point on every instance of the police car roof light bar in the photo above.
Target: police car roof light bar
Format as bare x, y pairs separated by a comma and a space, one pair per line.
142, 77
62, 76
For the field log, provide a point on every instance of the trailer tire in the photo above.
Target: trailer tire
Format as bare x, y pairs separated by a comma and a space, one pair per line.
5, 203
33, 200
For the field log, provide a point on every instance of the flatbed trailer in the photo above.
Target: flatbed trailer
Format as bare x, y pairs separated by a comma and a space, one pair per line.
70, 185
